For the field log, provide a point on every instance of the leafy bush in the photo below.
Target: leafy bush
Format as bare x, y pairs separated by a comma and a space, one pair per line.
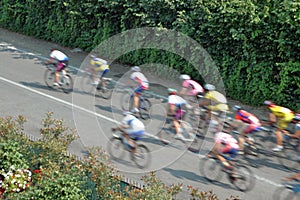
248, 39
51, 174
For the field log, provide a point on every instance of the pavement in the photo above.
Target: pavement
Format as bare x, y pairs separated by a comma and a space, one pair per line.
24, 92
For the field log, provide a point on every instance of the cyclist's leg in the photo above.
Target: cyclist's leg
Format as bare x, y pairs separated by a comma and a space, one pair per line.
102, 76
243, 131
134, 135
137, 93
59, 67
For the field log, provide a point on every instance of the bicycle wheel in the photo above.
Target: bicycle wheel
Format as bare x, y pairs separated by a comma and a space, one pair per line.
49, 78
283, 193
211, 169
254, 155
116, 148
127, 101
268, 139
144, 108
67, 83
87, 84
143, 157
289, 157
244, 178
106, 92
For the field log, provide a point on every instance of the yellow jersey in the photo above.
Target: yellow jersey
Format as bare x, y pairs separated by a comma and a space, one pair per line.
216, 97
100, 64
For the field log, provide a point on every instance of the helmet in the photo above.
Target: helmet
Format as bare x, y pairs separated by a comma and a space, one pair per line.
297, 117
136, 69
92, 56
125, 113
236, 108
209, 87
172, 91
269, 103
184, 77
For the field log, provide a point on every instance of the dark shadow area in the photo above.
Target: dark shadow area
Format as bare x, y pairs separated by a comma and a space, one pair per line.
38, 85
104, 108
182, 174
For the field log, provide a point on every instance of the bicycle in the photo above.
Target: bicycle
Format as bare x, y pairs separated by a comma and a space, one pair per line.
167, 134
287, 192
144, 104
118, 145
289, 156
253, 151
240, 176
88, 85
65, 79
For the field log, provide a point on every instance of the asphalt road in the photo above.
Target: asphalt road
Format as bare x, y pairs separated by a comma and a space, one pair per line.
23, 91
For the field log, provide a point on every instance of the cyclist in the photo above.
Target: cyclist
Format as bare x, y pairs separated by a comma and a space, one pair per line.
61, 60
99, 65
190, 87
177, 109
246, 123
214, 101
296, 135
143, 84
225, 144
132, 128
282, 117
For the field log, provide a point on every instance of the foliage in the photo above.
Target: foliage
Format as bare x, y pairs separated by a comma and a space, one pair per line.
254, 43
15, 180
51, 174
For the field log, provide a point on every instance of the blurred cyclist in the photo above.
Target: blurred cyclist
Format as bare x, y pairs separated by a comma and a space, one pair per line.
132, 128
214, 101
190, 87
99, 65
246, 123
282, 117
225, 144
61, 61
177, 109
143, 84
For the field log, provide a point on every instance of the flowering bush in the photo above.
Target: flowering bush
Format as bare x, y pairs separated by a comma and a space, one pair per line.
15, 180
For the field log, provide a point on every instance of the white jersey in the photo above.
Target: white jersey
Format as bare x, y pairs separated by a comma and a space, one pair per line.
58, 55
133, 123
140, 78
176, 100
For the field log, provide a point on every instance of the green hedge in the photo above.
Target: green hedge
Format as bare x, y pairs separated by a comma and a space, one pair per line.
255, 44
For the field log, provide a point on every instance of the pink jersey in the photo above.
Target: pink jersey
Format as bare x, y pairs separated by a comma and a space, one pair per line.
195, 87
226, 139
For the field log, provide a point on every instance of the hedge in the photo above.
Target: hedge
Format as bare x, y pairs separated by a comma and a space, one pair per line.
255, 44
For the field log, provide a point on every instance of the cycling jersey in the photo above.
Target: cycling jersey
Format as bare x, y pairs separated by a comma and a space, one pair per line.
141, 79
59, 56
216, 97
226, 139
133, 123
180, 103
219, 102
285, 115
231, 144
101, 65
247, 117
177, 101
195, 87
